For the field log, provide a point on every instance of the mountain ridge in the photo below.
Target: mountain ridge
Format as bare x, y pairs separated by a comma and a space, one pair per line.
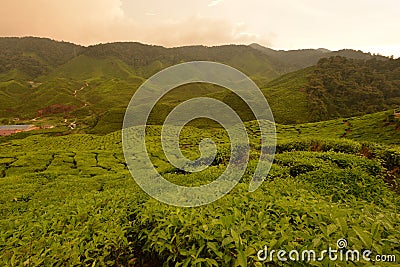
95, 83
292, 60
37, 56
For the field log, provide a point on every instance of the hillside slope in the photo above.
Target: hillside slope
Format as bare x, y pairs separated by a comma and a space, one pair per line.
34, 56
292, 60
343, 87
336, 87
44, 80
41, 78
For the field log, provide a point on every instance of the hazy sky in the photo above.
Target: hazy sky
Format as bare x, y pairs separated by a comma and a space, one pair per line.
369, 25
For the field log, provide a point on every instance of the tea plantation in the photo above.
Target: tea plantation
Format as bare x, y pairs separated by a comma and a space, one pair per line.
71, 201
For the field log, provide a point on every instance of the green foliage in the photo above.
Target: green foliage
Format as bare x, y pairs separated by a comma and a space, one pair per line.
109, 122
90, 83
343, 87
147, 60
70, 200
293, 60
287, 98
372, 128
34, 56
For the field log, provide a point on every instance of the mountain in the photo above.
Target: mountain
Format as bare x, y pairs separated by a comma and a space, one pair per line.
40, 56
147, 60
287, 61
39, 74
32, 56
336, 87
49, 82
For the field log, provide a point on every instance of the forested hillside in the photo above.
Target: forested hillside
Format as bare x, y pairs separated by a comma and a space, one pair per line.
50, 82
34, 56
292, 60
343, 87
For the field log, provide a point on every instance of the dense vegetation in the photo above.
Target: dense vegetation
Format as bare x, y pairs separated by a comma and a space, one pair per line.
34, 56
70, 201
68, 198
52, 81
147, 60
298, 59
343, 87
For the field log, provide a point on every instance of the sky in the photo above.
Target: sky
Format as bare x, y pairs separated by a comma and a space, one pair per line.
367, 25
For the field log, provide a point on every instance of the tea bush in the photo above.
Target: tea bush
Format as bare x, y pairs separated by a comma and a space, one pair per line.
70, 201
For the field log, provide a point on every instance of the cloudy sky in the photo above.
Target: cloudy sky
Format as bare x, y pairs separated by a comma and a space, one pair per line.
368, 25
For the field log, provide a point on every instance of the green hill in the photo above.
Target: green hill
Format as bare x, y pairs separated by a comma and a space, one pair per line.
34, 56
336, 87
292, 60
343, 87
56, 81
85, 68
377, 127
146, 60
83, 84
287, 98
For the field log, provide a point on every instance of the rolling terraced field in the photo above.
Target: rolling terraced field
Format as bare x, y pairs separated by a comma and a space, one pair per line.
68, 197
70, 200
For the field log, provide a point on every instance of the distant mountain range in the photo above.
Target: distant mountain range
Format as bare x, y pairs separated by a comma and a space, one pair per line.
298, 59
41, 78
38, 56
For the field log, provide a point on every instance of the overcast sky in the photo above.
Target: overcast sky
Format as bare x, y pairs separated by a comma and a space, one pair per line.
368, 25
